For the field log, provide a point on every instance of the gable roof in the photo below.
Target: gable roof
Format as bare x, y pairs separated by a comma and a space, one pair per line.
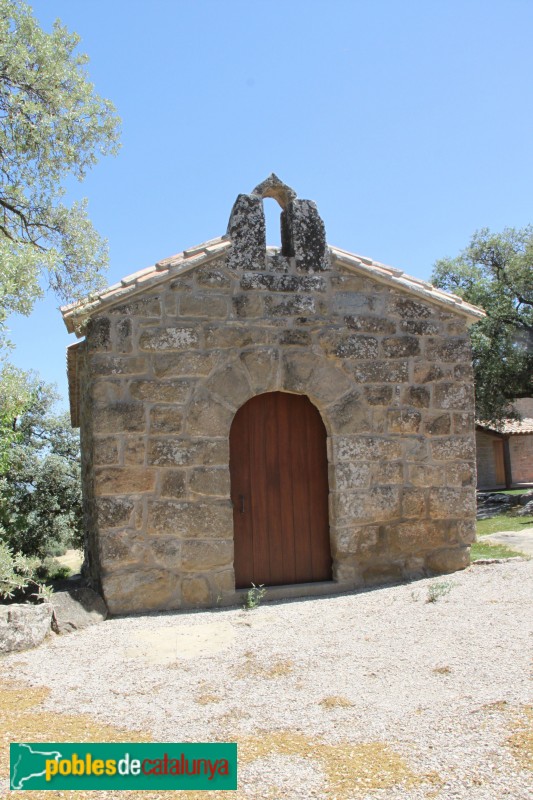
76, 314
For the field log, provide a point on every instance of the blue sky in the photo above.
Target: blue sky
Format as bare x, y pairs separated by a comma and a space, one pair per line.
409, 123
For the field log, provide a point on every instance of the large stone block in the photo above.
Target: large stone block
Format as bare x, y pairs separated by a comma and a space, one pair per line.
437, 424
454, 396
291, 305
230, 384
195, 592
141, 590
203, 305
448, 349
378, 395
166, 419
282, 283
134, 450
182, 519
427, 475
349, 415
414, 503
461, 473
412, 538
368, 323
212, 277
201, 555
453, 448
248, 306
419, 327
123, 480
171, 451
170, 338
105, 450
107, 364
167, 552
77, 609
213, 481
365, 448
351, 475
238, 335
114, 512
379, 371
306, 373
452, 503
98, 334
144, 307
448, 560
173, 483
386, 472
424, 372
208, 417
401, 346
262, 366
406, 308
416, 396
119, 418
23, 626
379, 503
122, 549
123, 335
358, 541
405, 420
158, 391
189, 363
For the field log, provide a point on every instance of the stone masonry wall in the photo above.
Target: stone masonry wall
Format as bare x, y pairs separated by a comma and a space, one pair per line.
521, 449
390, 374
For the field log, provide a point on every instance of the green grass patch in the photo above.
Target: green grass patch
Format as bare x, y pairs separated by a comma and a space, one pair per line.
512, 491
503, 522
486, 550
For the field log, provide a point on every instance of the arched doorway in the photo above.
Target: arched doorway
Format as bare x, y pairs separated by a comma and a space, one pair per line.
279, 491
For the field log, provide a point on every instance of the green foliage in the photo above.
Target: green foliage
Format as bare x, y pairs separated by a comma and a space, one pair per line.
437, 590
16, 571
40, 490
502, 522
16, 391
496, 272
52, 125
253, 597
486, 550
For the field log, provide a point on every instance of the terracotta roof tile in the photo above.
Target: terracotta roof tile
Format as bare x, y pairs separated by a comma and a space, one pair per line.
76, 314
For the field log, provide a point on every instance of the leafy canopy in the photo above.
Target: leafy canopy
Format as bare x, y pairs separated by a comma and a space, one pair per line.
40, 489
52, 125
496, 272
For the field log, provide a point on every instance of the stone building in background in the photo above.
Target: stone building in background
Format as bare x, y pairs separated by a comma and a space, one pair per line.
299, 417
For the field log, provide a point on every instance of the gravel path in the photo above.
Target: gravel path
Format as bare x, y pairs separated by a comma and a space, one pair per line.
380, 694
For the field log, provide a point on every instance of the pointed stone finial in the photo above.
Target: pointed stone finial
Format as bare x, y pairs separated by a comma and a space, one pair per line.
275, 188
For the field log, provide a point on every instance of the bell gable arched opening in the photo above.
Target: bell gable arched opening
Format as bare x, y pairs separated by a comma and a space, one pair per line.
279, 492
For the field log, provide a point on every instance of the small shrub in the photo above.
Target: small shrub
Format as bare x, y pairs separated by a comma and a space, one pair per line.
254, 596
16, 571
438, 590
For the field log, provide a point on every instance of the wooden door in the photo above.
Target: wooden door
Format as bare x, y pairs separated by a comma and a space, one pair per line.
279, 490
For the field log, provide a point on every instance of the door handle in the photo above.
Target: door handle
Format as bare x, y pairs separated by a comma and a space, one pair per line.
241, 502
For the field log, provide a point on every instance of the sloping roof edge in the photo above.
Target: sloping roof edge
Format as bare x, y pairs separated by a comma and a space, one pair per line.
76, 314
510, 426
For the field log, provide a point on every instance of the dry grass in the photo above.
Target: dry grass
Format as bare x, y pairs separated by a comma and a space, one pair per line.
253, 667
335, 701
347, 767
521, 742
